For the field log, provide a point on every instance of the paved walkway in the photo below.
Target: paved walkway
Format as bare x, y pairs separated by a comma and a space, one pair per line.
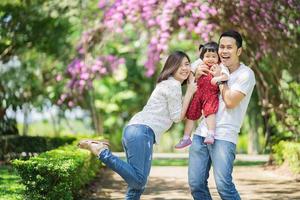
239, 157
253, 183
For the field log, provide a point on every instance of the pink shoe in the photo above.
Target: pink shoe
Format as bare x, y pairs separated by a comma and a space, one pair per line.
183, 143
209, 139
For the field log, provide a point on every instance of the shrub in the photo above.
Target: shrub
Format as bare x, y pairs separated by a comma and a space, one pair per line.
10, 187
8, 126
13, 146
57, 174
288, 152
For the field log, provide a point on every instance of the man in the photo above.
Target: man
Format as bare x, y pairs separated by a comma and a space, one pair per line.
233, 102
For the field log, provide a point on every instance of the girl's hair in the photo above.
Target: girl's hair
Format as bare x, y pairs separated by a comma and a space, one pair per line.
172, 64
209, 47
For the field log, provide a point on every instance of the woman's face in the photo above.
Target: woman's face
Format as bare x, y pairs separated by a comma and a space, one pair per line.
210, 58
183, 71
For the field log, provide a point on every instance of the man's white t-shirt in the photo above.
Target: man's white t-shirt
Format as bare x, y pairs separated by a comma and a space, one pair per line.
229, 121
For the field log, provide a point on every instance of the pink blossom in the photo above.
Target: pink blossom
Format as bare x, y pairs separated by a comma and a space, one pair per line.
58, 77
70, 103
102, 4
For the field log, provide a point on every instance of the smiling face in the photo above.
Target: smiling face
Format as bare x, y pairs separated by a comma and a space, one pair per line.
229, 52
183, 71
210, 58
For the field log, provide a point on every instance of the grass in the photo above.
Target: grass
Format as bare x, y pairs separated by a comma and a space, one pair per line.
45, 128
10, 186
184, 162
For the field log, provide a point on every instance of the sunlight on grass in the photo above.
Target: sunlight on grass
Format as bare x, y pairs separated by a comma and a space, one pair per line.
10, 186
45, 128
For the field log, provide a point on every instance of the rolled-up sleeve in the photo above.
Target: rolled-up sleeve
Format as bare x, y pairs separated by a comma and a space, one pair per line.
245, 83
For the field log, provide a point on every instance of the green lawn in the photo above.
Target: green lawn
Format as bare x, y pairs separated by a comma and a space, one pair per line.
10, 186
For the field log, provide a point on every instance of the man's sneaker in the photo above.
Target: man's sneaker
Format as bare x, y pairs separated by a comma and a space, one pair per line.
183, 143
209, 139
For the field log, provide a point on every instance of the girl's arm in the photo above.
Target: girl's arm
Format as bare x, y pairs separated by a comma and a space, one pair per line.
220, 73
222, 77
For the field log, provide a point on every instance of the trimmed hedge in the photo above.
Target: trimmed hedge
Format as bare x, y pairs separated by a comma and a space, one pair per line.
288, 152
57, 174
8, 126
14, 146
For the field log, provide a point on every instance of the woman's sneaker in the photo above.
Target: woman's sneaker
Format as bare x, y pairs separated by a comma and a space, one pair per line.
183, 143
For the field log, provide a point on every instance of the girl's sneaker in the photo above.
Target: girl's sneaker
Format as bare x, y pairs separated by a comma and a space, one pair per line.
183, 143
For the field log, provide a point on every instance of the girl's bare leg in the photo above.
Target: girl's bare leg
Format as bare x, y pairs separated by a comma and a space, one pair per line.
211, 125
188, 128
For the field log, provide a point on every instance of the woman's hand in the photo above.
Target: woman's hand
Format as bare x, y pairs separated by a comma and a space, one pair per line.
202, 69
191, 84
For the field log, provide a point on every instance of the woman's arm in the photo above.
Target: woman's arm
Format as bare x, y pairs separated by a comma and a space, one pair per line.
176, 106
191, 89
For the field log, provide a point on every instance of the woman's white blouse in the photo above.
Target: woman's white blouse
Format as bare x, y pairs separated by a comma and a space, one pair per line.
162, 109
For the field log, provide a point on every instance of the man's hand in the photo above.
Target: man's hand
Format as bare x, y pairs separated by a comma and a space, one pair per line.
202, 69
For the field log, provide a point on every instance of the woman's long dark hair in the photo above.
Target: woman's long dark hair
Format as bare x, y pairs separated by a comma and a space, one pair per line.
172, 64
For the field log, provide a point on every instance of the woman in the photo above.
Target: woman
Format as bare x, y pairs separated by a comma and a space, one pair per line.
164, 107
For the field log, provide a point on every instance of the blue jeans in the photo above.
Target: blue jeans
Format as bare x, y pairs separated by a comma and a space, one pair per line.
221, 156
138, 142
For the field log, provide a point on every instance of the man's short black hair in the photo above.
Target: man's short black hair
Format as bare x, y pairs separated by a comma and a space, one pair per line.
235, 35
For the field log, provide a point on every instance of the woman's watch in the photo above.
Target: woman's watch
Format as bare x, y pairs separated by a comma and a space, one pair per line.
221, 82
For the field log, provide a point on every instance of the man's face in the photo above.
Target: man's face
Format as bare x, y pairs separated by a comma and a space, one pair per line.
228, 51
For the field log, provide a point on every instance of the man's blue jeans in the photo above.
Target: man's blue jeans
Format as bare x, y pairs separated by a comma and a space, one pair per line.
221, 156
138, 145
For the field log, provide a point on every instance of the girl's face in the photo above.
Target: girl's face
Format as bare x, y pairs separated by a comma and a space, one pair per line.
183, 71
210, 58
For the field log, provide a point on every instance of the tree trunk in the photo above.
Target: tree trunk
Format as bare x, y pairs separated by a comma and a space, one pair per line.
26, 111
96, 117
55, 125
253, 144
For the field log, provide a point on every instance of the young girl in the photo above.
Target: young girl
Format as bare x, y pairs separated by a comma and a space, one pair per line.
164, 107
206, 97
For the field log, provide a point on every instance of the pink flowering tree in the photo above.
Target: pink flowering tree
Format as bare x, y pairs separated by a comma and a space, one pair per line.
270, 30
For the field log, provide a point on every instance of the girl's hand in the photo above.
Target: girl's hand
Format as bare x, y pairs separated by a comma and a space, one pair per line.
215, 70
191, 84
202, 69
214, 80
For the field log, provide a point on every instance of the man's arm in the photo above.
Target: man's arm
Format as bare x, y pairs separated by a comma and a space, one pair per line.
232, 98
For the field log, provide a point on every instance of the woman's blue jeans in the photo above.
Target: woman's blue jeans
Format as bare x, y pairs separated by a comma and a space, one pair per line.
221, 156
138, 142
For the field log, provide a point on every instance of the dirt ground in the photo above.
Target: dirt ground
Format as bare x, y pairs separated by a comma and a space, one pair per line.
252, 182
